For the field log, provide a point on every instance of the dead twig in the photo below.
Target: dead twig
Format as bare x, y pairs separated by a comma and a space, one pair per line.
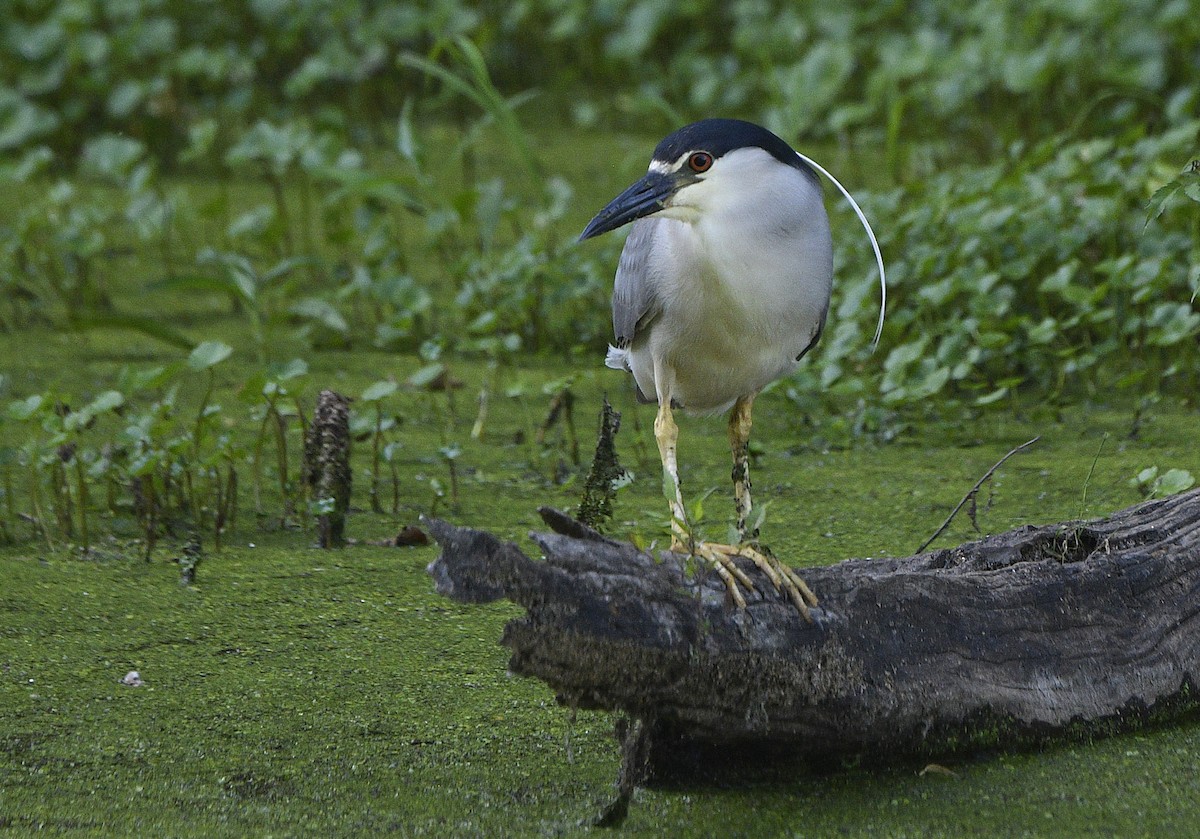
561, 408
970, 496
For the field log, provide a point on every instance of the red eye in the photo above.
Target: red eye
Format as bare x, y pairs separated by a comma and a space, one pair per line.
700, 161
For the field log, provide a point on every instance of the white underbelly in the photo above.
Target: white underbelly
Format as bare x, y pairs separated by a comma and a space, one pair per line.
716, 354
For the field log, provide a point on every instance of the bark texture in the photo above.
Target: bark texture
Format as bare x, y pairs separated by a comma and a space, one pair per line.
327, 466
1030, 632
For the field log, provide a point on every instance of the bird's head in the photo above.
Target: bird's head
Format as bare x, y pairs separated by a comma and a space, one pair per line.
701, 166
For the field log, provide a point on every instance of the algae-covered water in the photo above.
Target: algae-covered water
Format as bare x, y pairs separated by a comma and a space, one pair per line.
294, 691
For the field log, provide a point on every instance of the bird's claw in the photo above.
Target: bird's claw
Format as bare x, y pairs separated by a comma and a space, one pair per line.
782, 577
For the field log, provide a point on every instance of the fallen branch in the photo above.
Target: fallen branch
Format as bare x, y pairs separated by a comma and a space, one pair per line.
1036, 631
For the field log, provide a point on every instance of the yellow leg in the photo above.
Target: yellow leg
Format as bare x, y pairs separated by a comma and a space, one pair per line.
666, 433
783, 578
720, 557
739, 444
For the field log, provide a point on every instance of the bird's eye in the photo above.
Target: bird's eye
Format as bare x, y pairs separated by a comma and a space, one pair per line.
700, 161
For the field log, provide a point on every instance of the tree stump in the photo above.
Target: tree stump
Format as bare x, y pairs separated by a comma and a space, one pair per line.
1038, 631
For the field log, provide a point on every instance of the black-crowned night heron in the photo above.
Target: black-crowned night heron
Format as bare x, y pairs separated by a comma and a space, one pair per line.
722, 287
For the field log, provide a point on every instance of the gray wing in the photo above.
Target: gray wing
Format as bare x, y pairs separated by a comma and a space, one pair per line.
634, 303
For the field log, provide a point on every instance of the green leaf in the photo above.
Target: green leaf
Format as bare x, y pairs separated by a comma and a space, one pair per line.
696, 511
198, 283
288, 370
125, 98
209, 354
1144, 478
384, 188
110, 157
323, 312
1060, 279
152, 327
201, 137
406, 142
378, 391
136, 380
994, 396
33, 162
252, 223
1189, 182
284, 267
22, 121
238, 278
103, 403
106, 401
256, 387
426, 375
483, 323
760, 516
1173, 481
23, 409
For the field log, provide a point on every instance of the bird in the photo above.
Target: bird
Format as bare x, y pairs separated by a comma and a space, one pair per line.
722, 287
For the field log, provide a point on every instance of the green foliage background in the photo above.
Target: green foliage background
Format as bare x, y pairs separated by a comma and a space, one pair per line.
1010, 151
410, 178
924, 71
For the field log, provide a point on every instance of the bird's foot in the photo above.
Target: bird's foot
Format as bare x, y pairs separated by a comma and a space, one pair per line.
783, 578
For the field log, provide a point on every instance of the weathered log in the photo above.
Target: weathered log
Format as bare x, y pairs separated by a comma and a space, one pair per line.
1031, 632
